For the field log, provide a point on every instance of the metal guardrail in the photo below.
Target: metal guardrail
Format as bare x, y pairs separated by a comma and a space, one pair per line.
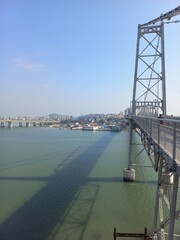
165, 132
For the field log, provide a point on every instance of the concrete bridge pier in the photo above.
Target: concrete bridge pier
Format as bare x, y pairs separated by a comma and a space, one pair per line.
28, 124
2, 124
10, 124
129, 175
20, 124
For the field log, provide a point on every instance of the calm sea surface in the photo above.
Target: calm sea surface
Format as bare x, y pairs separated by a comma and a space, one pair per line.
67, 185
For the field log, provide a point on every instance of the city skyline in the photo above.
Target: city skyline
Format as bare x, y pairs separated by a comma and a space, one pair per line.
77, 57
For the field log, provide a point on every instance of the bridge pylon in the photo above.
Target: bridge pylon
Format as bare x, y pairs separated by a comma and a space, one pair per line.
149, 90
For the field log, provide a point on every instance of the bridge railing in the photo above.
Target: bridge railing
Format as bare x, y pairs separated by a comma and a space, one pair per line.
164, 131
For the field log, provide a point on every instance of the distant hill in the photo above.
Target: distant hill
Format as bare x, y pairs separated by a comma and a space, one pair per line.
56, 116
86, 117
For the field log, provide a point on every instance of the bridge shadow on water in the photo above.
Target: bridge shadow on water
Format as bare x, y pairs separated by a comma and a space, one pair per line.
37, 218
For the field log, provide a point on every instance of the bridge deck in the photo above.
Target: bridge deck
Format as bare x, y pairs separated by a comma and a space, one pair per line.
165, 133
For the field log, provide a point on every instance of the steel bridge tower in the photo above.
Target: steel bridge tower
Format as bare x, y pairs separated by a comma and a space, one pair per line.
149, 101
149, 93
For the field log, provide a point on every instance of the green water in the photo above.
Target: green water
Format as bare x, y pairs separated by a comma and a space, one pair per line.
67, 185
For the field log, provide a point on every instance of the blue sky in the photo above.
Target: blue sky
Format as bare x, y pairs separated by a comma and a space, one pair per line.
77, 56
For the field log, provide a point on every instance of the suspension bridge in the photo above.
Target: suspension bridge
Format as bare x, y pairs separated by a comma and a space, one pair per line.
159, 133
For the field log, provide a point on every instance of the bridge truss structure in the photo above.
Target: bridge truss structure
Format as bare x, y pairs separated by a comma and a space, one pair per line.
160, 137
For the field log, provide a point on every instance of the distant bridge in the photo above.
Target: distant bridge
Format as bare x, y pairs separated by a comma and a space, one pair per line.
21, 122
